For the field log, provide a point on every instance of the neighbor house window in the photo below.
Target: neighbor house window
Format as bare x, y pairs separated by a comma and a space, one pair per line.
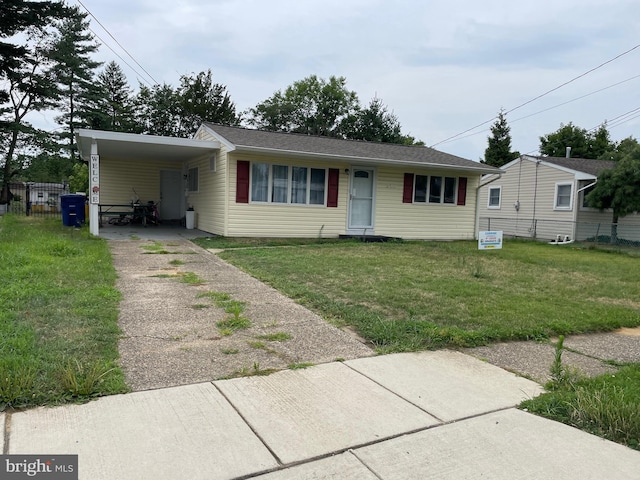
563, 196
584, 194
192, 179
290, 185
495, 194
434, 188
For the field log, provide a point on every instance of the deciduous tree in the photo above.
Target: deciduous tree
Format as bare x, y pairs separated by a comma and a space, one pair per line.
583, 144
617, 188
312, 106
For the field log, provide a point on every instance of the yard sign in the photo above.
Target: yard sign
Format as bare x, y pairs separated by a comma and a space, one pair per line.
490, 240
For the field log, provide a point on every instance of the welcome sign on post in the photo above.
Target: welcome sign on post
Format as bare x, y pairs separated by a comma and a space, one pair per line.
490, 240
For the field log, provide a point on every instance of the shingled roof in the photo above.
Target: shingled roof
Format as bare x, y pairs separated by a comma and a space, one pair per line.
244, 139
585, 165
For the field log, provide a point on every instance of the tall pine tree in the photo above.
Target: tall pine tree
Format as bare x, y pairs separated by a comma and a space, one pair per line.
113, 109
75, 75
499, 153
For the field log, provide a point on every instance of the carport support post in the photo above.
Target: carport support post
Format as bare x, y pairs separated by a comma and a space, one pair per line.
94, 190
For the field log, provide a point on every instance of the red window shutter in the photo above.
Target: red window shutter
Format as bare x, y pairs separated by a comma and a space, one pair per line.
242, 182
407, 192
462, 190
332, 194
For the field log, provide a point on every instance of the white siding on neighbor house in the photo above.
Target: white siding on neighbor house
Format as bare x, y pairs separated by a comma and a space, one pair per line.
422, 221
534, 187
209, 201
276, 220
122, 181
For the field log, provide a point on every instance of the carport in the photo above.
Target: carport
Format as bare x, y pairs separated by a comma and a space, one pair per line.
122, 165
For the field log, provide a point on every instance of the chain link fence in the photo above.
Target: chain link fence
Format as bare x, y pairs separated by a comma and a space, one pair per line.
551, 230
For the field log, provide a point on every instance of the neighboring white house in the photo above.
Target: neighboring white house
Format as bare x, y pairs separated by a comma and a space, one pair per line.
542, 197
251, 183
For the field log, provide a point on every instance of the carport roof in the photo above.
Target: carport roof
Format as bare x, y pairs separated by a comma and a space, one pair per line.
142, 147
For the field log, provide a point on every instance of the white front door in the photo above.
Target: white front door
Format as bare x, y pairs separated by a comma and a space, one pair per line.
171, 195
361, 199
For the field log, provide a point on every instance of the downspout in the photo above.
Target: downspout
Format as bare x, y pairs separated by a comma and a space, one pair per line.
533, 228
477, 221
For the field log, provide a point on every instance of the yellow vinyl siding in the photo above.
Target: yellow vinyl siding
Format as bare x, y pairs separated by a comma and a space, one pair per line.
120, 178
208, 201
277, 220
421, 221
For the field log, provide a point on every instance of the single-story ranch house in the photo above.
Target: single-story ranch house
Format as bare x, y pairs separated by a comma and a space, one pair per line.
250, 183
543, 197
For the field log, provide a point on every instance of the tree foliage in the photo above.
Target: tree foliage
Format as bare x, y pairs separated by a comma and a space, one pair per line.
112, 109
375, 124
618, 188
498, 152
584, 144
201, 100
315, 106
163, 110
74, 71
312, 106
27, 79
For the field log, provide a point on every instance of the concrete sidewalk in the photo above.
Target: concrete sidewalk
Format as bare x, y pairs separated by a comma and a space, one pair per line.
417, 415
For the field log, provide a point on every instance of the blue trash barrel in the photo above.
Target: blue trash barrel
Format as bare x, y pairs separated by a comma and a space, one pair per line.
72, 206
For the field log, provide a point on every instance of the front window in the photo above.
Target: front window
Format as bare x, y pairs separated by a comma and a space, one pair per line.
420, 191
299, 185
435, 188
288, 185
260, 182
280, 188
563, 196
494, 197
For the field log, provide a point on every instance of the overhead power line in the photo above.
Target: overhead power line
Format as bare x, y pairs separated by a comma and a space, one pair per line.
141, 77
551, 108
540, 96
118, 43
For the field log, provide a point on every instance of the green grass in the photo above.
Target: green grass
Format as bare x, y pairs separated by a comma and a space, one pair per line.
608, 405
275, 337
224, 242
231, 324
404, 296
58, 314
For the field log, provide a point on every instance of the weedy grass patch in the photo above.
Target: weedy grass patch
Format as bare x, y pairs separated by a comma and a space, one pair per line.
404, 296
58, 314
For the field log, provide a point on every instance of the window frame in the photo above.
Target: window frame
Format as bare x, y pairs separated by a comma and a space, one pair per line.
289, 185
190, 179
442, 186
556, 197
499, 205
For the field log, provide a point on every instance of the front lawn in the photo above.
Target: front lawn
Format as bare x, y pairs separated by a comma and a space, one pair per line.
405, 296
58, 314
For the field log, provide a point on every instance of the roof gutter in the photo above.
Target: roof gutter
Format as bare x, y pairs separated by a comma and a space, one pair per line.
360, 160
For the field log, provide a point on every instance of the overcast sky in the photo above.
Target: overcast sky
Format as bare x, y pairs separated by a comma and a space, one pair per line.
441, 66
